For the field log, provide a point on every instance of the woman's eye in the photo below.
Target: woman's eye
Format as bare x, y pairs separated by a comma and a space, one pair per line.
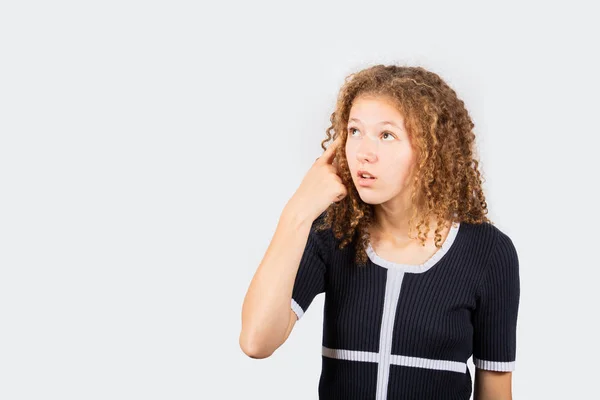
351, 131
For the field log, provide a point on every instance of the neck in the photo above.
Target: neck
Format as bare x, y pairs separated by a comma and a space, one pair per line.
392, 225
392, 222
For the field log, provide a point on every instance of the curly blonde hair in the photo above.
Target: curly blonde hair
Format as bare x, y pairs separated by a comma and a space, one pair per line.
446, 185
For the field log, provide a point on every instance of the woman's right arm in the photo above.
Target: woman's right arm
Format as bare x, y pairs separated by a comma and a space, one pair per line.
267, 317
267, 314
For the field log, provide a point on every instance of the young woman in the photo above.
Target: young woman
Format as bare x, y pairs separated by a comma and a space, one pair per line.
403, 311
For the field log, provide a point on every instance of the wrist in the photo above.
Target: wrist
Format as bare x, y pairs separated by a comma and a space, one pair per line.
296, 216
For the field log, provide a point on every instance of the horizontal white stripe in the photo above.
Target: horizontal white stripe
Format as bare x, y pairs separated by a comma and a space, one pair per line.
366, 356
494, 365
429, 363
352, 355
297, 309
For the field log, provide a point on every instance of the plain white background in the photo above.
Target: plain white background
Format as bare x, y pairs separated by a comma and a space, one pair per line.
148, 148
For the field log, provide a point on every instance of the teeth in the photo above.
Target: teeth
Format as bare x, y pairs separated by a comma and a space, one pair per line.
366, 176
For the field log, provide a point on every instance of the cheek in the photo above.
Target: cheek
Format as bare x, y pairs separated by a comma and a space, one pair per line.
350, 154
397, 167
402, 162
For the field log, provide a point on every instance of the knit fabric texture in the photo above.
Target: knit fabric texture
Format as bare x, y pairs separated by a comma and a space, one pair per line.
399, 331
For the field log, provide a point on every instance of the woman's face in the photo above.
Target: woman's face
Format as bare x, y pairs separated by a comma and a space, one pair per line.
378, 142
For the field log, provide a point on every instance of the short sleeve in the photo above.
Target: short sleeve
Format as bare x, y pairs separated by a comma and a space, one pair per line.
495, 316
310, 279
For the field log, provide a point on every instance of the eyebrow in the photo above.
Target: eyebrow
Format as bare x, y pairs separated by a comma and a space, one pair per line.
381, 123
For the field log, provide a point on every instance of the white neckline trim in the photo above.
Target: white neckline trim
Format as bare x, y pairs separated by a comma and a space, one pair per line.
417, 269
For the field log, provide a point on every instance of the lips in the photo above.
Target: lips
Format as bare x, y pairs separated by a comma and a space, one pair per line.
360, 173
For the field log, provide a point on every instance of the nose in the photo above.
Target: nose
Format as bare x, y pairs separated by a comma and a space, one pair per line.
367, 149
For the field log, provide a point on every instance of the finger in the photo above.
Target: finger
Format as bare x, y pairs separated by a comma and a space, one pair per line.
340, 197
329, 154
343, 192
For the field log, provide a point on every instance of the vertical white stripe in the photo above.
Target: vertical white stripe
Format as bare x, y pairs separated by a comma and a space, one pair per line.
392, 292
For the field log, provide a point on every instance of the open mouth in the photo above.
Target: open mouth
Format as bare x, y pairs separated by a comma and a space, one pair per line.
365, 175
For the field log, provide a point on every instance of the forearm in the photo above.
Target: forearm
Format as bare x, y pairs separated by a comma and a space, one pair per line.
492, 385
266, 307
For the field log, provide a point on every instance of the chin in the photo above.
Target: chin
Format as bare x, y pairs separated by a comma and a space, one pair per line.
370, 198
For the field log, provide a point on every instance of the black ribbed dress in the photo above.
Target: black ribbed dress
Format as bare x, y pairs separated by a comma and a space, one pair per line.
396, 331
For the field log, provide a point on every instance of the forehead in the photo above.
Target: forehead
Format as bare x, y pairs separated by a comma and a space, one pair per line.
374, 110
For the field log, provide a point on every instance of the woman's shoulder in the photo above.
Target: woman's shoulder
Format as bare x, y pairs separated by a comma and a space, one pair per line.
321, 231
486, 236
483, 230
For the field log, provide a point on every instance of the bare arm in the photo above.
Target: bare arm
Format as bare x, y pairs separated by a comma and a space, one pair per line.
492, 385
267, 318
